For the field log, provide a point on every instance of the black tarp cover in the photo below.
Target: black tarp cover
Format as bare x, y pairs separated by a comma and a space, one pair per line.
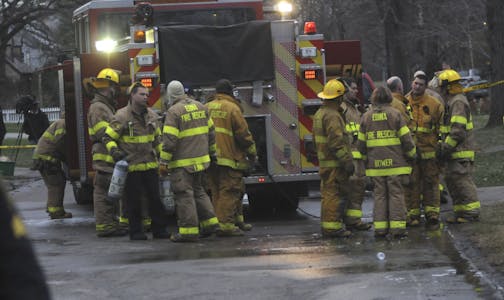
201, 55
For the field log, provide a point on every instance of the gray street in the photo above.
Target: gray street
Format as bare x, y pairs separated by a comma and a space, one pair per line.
283, 257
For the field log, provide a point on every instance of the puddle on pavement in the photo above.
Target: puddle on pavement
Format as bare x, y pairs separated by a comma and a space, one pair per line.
362, 250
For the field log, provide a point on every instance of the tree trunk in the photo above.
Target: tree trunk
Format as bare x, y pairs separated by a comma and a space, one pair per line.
495, 21
396, 63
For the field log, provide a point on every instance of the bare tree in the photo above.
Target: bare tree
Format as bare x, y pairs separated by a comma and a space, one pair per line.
495, 19
19, 15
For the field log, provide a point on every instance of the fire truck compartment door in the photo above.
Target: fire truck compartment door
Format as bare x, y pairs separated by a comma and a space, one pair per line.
201, 55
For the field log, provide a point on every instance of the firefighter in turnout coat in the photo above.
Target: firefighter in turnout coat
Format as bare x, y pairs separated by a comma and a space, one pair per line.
236, 153
352, 110
48, 156
457, 149
134, 135
423, 191
335, 158
101, 111
188, 145
386, 145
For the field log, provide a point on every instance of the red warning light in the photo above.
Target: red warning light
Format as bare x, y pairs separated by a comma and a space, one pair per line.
310, 28
261, 180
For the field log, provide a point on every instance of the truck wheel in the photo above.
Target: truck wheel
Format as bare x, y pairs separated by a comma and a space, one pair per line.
83, 193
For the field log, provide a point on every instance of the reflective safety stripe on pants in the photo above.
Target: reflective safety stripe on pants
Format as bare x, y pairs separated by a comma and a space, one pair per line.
462, 189
332, 181
389, 208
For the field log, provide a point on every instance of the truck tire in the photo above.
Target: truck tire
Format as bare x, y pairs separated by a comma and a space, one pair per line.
83, 193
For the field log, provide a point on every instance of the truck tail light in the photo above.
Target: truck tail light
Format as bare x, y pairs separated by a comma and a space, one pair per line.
147, 82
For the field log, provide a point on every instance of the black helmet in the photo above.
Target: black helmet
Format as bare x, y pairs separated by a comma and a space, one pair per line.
224, 86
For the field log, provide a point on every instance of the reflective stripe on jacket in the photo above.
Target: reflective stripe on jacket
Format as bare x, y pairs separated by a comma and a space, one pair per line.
138, 135
352, 120
385, 142
232, 136
51, 145
99, 115
459, 124
188, 136
331, 137
427, 119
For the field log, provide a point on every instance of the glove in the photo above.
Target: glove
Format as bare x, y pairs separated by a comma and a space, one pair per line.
163, 170
213, 159
117, 154
443, 152
349, 167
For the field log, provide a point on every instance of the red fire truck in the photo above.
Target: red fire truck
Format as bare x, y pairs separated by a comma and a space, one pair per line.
277, 68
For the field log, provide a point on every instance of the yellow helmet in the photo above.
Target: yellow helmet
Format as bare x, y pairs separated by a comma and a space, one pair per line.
333, 89
106, 77
448, 77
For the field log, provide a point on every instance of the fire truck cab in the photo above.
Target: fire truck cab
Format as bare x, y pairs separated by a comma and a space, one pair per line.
277, 66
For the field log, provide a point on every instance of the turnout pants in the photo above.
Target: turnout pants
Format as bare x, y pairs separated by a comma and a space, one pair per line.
423, 190
332, 181
147, 183
104, 211
462, 189
192, 204
226, 186
389, 207
354, 193
55, 181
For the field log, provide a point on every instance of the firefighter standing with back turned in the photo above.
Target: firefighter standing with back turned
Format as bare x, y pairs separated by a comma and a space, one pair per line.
352, 110
236, 152
335, 158
47, 158
101, 111
188, 145
427, 115
134, 135
457, 149
386, 144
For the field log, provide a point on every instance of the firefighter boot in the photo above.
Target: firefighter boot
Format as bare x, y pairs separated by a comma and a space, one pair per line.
340, 233
112, 232
60, 215
432, 224
183, 238
138, 236
208, 231
462, 220
359, 226
244, 226
231, 232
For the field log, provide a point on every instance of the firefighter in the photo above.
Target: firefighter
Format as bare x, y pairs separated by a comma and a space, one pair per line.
355, 190
236, 153
134, 135
20, 273
47, 158
423, 191
101, 111
399, 102
457, 150
335, 158
188, 147
386, 144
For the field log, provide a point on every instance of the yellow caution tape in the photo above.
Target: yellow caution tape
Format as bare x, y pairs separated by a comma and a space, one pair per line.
19, 147
482, 86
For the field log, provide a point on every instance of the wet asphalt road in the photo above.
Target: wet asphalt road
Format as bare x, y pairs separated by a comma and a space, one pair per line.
282, 258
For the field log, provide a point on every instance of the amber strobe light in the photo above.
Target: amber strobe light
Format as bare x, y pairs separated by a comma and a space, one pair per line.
147, 82
139, 36
310, 74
